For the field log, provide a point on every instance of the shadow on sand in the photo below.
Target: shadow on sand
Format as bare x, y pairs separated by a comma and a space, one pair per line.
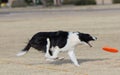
80, 61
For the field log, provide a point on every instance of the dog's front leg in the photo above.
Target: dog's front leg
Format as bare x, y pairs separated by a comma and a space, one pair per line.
73, 57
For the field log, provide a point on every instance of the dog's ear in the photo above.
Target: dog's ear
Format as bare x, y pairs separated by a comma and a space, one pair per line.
84, 37
81, 35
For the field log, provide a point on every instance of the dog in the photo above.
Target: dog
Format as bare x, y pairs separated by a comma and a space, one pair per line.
51, 43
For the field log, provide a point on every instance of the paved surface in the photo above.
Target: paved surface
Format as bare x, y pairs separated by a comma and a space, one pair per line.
19, 24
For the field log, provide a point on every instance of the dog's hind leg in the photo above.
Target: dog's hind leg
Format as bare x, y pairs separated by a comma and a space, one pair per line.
54, 56
24, 51
47, 54
54, 52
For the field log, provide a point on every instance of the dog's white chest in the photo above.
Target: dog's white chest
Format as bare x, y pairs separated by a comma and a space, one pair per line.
72, 40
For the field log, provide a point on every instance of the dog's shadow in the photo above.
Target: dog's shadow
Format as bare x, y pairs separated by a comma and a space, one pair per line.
80, 61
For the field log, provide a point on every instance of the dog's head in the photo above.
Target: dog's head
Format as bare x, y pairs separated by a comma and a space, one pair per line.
86, 38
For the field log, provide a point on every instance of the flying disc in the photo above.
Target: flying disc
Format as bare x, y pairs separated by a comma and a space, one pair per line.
109, 49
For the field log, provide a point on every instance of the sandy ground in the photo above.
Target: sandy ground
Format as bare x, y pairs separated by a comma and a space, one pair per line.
16, 28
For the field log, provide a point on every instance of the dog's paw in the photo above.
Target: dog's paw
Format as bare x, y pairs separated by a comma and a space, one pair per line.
77, 65
60, 58
54, 59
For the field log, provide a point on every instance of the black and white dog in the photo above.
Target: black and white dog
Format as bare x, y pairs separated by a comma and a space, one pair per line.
54, 42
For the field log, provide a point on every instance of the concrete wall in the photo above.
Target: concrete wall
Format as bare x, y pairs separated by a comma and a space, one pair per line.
103, 2
57, 2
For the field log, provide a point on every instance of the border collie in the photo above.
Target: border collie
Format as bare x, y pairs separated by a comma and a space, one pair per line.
51, 43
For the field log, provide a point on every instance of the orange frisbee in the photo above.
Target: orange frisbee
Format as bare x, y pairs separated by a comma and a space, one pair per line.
109, 49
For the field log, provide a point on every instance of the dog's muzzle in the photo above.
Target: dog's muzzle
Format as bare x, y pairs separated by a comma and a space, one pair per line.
94, 38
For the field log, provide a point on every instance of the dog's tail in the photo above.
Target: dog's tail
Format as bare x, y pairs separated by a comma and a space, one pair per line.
24, 51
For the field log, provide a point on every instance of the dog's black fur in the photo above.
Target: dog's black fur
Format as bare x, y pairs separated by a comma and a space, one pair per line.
38, 41
58, 38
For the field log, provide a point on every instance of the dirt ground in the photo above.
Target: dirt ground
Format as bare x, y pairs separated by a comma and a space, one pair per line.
16, 28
